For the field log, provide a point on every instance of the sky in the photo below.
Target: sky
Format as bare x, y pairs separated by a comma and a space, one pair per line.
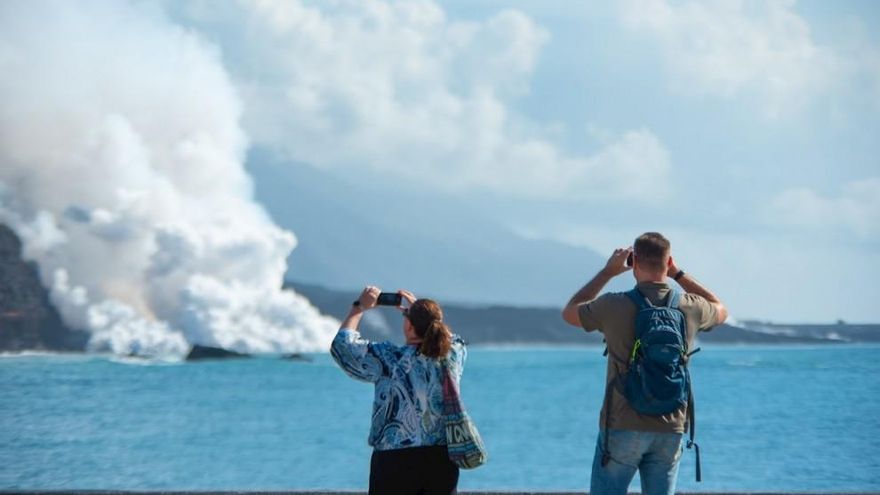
746, 131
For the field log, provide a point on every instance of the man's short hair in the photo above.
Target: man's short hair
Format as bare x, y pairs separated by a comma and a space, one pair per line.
652, 251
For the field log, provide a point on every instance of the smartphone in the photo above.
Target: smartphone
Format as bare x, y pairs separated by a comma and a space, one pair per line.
629, 260
389, 299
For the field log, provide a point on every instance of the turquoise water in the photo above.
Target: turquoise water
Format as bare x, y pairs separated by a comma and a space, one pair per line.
768, 419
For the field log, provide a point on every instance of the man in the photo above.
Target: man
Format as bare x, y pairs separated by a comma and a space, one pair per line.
629, 441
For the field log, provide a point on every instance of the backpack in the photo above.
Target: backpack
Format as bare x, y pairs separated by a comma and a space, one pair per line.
657, 381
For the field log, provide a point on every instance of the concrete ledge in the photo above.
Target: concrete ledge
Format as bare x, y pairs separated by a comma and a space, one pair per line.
338, 492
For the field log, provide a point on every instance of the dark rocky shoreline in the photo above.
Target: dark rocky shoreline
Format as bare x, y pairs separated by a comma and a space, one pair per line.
28, 321
518, 325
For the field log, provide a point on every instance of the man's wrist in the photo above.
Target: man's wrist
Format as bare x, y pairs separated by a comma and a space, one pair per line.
606, 273
678, 275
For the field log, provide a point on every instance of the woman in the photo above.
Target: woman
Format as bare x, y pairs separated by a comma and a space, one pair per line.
408, 433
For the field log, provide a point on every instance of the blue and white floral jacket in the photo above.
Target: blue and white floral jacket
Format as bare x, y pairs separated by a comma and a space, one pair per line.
408, 401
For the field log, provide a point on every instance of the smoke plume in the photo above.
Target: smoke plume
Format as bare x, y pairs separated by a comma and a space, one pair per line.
121, 168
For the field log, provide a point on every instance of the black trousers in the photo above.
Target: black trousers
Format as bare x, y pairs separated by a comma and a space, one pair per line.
413, 471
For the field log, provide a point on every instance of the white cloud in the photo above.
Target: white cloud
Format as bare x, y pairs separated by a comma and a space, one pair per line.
731, 47
397, 87
855, 211
121, 168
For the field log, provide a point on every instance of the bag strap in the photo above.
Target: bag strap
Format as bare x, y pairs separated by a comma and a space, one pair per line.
606, 452
639, 299
692, 425
673, 299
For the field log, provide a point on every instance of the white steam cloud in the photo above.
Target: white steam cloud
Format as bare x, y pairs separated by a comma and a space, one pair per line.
121, 168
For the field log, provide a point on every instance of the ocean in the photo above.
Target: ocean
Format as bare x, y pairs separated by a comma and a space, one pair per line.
768, 419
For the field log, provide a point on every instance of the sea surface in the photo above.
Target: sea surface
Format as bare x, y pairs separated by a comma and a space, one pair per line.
768, 419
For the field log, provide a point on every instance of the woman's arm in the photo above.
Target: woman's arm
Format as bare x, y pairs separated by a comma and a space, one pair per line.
366, 301
353, 319
352, 352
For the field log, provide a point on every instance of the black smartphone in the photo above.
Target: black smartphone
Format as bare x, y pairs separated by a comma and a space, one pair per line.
629, 260
389, 299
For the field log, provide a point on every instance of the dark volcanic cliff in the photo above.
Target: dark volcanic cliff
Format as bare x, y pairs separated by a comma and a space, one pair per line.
28, 321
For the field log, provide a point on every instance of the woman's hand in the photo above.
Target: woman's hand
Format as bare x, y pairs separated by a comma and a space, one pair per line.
368, 297
407, 296
366, 301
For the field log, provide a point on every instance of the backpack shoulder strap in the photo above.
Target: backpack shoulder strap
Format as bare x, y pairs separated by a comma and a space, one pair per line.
639, 299
673, 299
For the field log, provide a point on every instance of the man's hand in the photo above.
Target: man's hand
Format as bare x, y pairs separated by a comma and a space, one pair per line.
671, 268
616, 264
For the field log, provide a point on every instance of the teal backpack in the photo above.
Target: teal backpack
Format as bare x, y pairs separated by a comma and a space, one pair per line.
657, 381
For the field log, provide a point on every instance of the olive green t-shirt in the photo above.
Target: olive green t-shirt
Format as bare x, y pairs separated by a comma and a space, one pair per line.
614, 315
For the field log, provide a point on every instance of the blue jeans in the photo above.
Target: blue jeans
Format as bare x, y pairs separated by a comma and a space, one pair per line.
654, 455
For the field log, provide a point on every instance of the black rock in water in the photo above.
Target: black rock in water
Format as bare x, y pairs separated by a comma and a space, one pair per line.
28, 321
295, 356
199, 352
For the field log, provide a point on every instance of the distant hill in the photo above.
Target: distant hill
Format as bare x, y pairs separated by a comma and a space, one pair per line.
496, 324
352, 233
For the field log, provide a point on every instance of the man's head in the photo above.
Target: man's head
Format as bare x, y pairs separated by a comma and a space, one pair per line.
650, 256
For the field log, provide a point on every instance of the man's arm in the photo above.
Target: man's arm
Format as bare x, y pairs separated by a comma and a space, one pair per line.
692, 286
615, 265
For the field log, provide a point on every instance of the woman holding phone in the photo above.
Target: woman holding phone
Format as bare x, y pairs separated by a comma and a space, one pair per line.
408, 433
